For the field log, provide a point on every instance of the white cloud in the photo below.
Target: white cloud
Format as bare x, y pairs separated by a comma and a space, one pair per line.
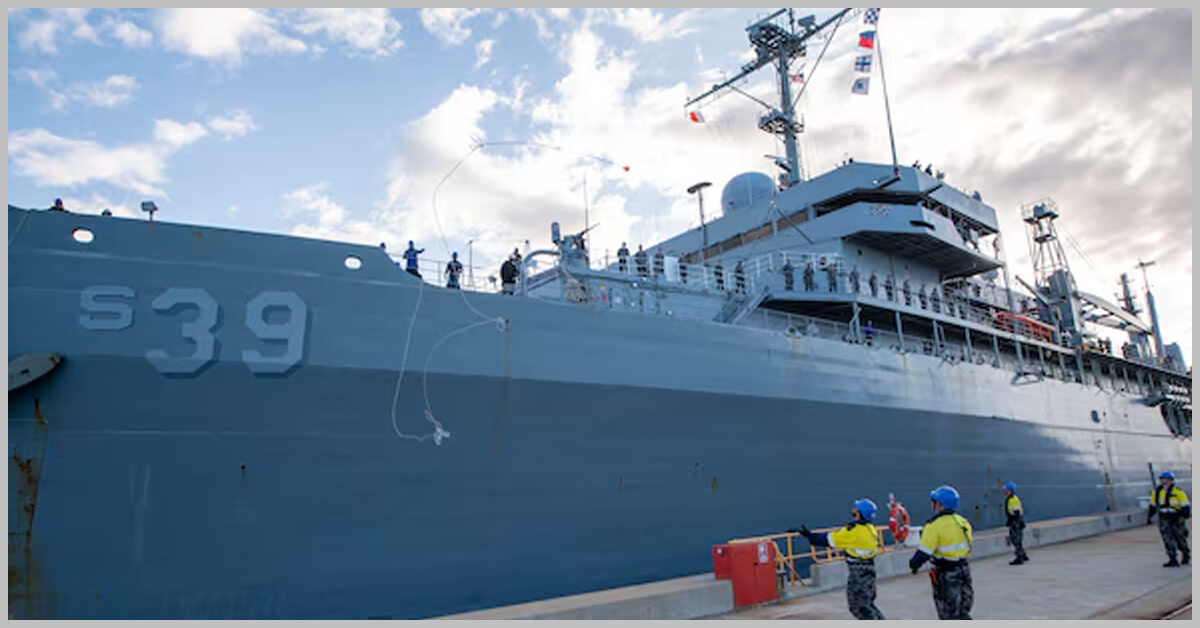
54, 27
40, 35
319, 216
371, 31
111, 92
128, 33
649, 26
108, 93
40, 77
483, 52
178, 134
224, 35
55, 161
97, 203
51, 160
235, 125
449, 24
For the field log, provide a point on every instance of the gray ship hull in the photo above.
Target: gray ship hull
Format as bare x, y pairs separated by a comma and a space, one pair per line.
585, 449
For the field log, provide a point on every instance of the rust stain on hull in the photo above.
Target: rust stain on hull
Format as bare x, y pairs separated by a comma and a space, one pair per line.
23, 584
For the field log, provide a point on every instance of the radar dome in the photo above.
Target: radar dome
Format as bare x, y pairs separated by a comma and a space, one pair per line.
745, 190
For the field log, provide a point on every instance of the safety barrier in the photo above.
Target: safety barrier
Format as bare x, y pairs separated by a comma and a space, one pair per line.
785, 561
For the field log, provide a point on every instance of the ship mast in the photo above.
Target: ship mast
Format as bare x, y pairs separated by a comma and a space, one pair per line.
778, 46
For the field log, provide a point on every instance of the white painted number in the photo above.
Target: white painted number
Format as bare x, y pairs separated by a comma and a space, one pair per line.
198, 330
105, 309
292, 331
119, 315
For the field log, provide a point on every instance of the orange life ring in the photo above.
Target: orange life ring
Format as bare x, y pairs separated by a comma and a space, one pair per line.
898, 522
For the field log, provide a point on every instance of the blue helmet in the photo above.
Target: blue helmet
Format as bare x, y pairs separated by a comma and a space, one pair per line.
455, 255
1010, 486
866, 508
1167, 474
946, 496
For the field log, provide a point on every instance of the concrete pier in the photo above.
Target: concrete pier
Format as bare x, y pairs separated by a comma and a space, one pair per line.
1118, 575
1104, 566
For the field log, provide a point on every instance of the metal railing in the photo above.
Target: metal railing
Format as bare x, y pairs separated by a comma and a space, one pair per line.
476, 278
785, 561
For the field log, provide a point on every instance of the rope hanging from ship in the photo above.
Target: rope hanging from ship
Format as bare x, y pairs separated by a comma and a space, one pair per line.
439, 432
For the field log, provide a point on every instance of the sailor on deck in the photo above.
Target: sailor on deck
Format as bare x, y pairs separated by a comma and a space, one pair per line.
623, 258
719, 275
809, 283
860, 543
410, 259
58, 206
659, 262
946, 539
453, 271
789, 275
1015, 520
739, 277
1173, 508
508, 276
639, 260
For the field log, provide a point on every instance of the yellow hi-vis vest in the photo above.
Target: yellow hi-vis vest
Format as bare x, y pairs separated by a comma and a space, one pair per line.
1012, 505
858, 540
946, 537
1169, 501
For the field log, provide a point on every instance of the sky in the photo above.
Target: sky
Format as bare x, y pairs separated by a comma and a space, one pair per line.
343, 123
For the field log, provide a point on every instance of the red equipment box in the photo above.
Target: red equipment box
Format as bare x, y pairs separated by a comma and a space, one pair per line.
721, 565
752, 569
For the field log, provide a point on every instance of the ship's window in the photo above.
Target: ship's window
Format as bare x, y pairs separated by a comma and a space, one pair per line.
1095, 417
83, 236
353, 263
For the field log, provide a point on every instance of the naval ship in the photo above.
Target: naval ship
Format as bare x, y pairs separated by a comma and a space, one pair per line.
211, 423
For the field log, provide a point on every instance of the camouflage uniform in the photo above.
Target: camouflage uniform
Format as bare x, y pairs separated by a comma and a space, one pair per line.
953, 594
1016, 536
1174, 534
860, 590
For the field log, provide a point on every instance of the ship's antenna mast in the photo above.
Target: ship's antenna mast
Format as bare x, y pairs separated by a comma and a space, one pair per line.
775, 44
1158, 343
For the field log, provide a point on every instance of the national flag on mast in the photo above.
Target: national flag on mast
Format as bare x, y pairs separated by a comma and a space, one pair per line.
798, 77
871, 16
696, 116
862, 64
860, 85
866, 39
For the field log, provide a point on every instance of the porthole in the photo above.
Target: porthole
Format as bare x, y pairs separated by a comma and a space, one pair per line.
83, 236
353, 263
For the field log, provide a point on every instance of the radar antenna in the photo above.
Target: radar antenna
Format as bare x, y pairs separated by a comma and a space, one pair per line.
776, 44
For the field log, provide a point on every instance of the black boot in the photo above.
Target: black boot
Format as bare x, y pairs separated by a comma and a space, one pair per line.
1187, 558
1171, 563
1016, 561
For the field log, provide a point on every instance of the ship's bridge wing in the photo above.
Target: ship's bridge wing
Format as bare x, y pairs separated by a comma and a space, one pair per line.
913, 232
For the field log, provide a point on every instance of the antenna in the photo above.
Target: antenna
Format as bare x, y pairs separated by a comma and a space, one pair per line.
778, 45
1158, 343
698, 190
